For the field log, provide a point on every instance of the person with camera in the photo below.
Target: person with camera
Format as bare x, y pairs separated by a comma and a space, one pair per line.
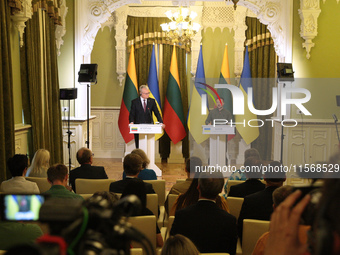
57, 176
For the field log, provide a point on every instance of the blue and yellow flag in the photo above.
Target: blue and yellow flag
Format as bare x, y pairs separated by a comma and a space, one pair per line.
196, 119
154, 87
249, 134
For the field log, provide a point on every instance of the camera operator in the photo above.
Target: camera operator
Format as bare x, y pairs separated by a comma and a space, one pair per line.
283, 234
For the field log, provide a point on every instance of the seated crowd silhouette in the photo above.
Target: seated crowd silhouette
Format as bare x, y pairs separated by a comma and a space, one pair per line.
202, 220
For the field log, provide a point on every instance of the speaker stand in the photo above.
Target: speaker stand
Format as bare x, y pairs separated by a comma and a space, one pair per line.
69, 133
88, 116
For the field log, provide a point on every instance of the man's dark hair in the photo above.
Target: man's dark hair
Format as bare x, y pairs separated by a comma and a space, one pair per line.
132, 164
57, 172
255, 165
252, 153
210, 187
191, 163
17, 164
275, 176
84, 155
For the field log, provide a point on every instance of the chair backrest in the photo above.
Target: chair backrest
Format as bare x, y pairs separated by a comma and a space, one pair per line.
159, 187
232, 183
42, 183
136, 251
180, 180
171, 200
252, 231
90, 186
146, 225
152, 203
169, 226
235, 205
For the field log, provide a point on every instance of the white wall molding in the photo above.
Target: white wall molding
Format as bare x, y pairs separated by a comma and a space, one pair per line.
19, 19
309, 12
61, 30
107, 140
273, 13
21, 140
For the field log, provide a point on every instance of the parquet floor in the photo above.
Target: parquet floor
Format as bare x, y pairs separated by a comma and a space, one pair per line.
114, 170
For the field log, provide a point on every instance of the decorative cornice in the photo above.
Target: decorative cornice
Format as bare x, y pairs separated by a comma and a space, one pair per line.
61, 30
19, 18
269, 12
309, 12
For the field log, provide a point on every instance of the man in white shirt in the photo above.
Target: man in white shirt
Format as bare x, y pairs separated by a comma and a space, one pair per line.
18, 184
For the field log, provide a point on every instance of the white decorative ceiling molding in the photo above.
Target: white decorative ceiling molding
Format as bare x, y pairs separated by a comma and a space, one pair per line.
240, 28
61, 30
21, 17
276, 14
270, 13
309, 12
337, 1
120, 16
217, 15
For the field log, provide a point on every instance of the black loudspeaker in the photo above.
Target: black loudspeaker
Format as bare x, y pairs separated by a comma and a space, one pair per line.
285, 72
338, 100
88, 73
68, 94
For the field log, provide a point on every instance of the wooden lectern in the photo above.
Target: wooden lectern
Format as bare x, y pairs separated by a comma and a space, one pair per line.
218, 141
147, 141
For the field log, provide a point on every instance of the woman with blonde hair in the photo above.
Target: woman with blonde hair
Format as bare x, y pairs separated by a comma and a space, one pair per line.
179, 244
145, 174
40, 164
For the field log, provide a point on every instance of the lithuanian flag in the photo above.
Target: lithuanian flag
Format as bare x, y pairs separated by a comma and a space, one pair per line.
130, 93
173, 107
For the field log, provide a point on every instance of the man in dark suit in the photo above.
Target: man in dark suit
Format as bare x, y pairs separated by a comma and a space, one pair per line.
142, 109
259, 206
252, 184
132, 166
210, 228
86, 170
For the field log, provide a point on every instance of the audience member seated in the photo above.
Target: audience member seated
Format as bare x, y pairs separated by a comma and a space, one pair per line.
16, 233
57, 177
179, 244
259, 206
252, 184
17, 166
239, 174
137, 187
209, 227
279, 195
182, 187
40, 164
86, 170
145, 174
191, 197
132, 166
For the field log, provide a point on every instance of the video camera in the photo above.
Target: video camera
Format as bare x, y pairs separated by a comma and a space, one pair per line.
94, 226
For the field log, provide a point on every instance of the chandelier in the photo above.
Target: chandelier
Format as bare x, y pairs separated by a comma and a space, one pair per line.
181, 28
234, 2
